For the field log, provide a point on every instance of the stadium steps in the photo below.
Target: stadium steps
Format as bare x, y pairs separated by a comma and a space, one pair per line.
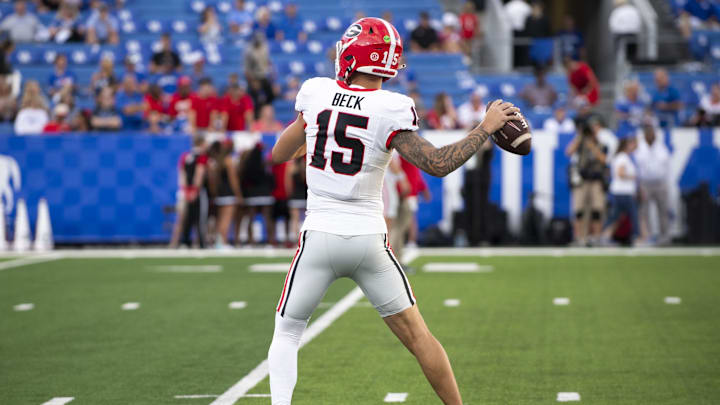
673, 45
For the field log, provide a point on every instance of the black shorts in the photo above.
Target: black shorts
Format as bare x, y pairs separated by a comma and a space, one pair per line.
280, 209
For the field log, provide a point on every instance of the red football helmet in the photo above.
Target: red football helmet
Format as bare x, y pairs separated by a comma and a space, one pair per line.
369, 45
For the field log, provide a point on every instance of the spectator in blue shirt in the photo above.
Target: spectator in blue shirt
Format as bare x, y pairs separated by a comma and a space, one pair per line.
130, 103
630, 110
61, 76
102, 27
166, 81
240, 20
700, 9
264, 25
291, 27
140, 77
666, 99
570, 39
699, 14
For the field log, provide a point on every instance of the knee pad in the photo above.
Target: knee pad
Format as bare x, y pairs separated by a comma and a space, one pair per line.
289, 328
579, 215
596, 215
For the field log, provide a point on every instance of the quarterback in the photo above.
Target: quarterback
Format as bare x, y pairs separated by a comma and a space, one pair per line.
348, 128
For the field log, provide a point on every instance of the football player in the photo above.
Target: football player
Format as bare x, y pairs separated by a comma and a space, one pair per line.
348, 128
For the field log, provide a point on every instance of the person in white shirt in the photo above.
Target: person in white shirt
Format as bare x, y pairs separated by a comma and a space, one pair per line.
22, 25
623, 187
625, 24
472, 111
653, 163
625, 19
559, 123
517, 11
33, 114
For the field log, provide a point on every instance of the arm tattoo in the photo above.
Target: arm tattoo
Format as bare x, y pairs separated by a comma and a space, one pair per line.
442, 161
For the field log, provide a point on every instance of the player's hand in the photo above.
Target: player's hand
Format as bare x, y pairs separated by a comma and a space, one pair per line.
497, 115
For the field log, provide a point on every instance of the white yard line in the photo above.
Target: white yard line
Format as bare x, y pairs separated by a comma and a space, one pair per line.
208, 268
123, 253
568, 397
201, 396
258, 374
26, 261
396, 397
28, 306
451, 302
237, 305
469, 267
561, 301
196, 396
269, 267
568, 251
59, 401
130, 306
673, 300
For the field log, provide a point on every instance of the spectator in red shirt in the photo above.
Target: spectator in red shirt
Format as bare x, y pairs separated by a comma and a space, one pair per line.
204, 107
237, 109
469, 27
58, 123
281, 195
155, 111
443, 115
180, 102
267, 123
583, 82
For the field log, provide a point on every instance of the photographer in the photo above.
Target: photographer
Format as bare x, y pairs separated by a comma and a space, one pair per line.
587, 176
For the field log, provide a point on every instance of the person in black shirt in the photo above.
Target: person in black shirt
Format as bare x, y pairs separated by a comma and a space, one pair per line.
424, 38
193, 209
166, 60
6, 48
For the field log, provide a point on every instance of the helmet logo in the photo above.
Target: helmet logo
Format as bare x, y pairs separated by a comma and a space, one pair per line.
374, 56
386, 38
353, 31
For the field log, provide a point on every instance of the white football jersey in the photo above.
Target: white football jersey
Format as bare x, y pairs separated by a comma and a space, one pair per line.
348, 134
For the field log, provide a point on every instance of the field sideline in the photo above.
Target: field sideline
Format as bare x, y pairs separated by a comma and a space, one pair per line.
147, 326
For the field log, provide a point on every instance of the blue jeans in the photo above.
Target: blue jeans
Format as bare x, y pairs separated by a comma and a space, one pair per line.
624, 204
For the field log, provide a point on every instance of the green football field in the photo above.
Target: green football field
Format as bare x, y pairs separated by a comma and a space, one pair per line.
617, 341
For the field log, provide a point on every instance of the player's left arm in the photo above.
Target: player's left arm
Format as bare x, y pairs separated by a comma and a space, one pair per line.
291, 143
440, 162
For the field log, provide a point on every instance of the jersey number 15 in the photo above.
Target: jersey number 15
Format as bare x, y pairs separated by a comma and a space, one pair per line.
356, 146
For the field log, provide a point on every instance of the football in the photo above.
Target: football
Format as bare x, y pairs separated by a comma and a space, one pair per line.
515, 136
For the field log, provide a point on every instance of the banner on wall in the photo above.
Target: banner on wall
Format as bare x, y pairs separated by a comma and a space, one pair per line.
122, 187
695, 158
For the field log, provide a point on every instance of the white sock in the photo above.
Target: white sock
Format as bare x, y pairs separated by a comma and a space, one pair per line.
282, 358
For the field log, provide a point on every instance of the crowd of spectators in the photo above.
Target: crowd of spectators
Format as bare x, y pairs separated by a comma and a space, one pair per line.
223, 193
165, 96
452, 34
697, 15
170, 95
